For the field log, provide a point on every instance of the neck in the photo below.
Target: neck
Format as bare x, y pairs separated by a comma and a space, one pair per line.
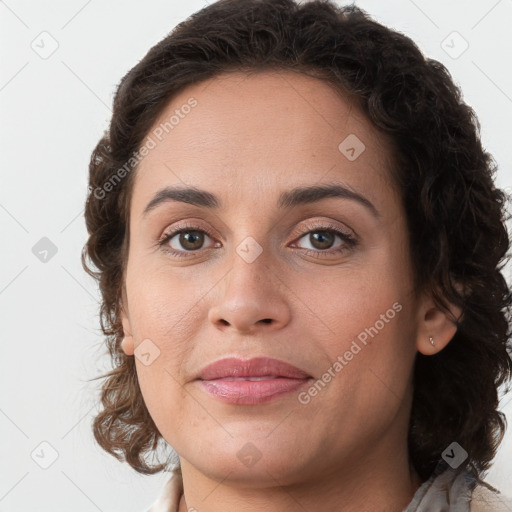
382, 482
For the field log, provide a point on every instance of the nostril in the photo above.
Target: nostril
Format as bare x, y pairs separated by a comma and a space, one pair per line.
267, 320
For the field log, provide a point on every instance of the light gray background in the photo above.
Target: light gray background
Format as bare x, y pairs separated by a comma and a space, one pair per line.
53, 111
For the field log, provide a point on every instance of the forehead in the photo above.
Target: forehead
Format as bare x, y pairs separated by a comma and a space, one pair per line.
261, 130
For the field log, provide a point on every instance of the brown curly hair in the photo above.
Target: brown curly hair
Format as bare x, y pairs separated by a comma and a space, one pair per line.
455, 214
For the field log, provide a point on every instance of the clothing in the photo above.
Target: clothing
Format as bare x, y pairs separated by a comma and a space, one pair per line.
447, 490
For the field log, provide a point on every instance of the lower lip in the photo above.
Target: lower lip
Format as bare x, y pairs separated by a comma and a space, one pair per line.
247, 392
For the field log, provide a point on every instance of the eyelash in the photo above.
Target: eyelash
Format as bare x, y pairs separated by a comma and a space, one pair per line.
349, 241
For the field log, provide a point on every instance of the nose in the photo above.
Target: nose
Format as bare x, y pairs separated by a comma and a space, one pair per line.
251, 298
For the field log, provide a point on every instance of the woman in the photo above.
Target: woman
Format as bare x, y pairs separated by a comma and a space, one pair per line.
298, 243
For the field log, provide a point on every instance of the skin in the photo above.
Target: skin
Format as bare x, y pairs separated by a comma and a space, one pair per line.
249, 138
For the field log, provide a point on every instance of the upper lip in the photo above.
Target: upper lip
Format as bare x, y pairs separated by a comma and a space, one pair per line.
256, 367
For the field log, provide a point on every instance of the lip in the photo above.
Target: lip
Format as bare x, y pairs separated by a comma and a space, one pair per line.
228, 380
255, 367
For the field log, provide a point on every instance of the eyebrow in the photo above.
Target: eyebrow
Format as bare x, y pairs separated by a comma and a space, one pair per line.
288, 199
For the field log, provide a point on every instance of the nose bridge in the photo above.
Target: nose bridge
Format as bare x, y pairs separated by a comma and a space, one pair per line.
249, 270
250, 294
251, 242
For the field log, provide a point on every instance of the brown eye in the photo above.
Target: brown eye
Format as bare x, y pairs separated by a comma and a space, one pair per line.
325, 241
191, 240
185, 241
321, 239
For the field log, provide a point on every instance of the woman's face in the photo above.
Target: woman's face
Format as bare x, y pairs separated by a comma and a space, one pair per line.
321, 281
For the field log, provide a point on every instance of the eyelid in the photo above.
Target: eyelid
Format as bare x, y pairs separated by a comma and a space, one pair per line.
326, 225
192, 225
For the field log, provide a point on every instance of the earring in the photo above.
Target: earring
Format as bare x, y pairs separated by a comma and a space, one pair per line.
432, 342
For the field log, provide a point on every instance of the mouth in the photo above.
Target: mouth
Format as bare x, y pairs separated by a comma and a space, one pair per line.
251, 382
249, 391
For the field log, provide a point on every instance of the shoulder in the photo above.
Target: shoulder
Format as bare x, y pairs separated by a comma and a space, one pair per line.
487, 499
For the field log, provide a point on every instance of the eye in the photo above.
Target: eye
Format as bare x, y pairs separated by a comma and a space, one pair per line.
184, 239
190, 240
322, 239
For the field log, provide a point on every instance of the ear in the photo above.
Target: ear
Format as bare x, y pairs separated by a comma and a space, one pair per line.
127, 344
435, 323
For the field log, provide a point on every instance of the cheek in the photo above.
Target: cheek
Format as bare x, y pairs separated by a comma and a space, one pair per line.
344, 303
163, 306
364, 327
166, 318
